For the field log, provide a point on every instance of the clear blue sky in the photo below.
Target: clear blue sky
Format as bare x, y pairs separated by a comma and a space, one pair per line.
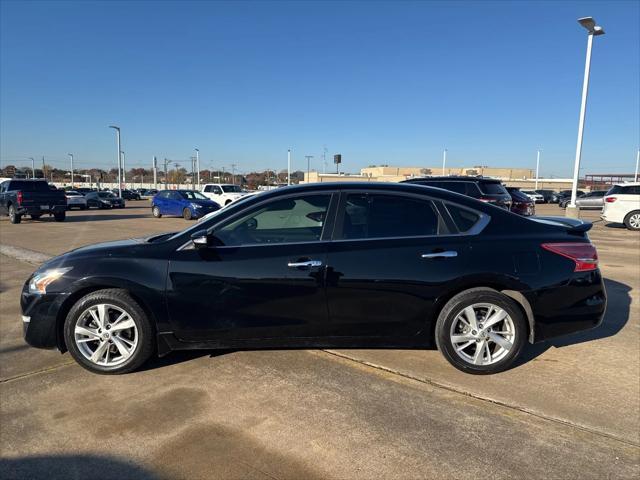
379, 82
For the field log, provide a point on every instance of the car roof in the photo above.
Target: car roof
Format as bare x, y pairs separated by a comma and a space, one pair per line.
454, 178
627, 184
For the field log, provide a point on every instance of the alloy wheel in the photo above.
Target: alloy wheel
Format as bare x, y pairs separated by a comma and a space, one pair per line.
482, 334
106, 335
634, 221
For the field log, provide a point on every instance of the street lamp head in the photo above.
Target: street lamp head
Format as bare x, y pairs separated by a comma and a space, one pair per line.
113, 126
590, 24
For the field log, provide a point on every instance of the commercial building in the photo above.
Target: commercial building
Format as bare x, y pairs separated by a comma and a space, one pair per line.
517, 177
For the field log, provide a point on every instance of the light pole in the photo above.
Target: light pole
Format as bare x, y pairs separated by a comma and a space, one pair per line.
233, 174
635, 176
33, 167
537, 167
71, 157
593, 31
198, 166
444, 161
117, 129
289, 167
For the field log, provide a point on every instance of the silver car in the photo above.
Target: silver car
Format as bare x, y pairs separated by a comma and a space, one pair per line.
593, 200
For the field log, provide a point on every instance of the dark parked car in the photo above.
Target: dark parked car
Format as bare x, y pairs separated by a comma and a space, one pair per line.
31, 197
564, 196
127, 194
549, 196
521, 203
487, 190
84, 190
103, 200
319, 265
189, 204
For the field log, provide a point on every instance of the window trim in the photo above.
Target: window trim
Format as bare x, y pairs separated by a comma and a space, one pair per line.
333, 194
478, 227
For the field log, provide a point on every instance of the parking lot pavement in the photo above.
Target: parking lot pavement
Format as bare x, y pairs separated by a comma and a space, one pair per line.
571, 410
83, 227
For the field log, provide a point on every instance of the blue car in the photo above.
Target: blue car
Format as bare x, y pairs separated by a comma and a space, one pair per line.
189, 204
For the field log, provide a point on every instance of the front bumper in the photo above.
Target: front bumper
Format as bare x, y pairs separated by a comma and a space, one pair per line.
575, 306
41, 311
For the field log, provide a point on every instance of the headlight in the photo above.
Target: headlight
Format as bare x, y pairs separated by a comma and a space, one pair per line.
40, 281
195, 205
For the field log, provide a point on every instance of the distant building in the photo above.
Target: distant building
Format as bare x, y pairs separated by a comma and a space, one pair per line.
513, 177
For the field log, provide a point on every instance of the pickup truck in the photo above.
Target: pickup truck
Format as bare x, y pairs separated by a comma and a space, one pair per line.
31, 197
223, 193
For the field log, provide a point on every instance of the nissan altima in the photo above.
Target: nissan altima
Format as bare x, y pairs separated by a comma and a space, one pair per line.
325, 265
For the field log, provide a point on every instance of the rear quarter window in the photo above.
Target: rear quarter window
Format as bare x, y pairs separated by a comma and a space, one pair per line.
464, 218
491, 188
624, 190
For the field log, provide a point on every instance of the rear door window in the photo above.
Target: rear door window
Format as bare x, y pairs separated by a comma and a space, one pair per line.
387, 216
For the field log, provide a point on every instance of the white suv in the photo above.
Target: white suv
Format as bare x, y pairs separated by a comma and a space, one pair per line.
622, 205
223, 194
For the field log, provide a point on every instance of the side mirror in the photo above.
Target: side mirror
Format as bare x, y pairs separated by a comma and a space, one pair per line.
200, 239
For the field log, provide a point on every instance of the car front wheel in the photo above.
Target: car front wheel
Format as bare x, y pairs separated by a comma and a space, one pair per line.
156, 211
107, 332
481, 331
186, 214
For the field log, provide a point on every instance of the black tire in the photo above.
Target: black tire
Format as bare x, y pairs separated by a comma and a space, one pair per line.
155, 211
186, 214
14, 217
454, 307
60, 217
630, 220
35, 217
120, 298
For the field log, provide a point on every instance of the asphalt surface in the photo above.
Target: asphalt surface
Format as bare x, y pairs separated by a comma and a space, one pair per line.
571, 409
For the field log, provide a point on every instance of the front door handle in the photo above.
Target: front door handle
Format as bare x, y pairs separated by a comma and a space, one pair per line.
445, 254
305, 264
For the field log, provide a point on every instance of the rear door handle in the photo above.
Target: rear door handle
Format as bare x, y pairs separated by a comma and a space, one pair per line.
446, 254
306, 264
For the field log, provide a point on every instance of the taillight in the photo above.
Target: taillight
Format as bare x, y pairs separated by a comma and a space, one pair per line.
610, 199
583, 254
19, 196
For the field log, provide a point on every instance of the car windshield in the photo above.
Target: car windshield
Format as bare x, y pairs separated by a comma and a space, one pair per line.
106, 195
231, 189
73, 194
192, 195
492, 188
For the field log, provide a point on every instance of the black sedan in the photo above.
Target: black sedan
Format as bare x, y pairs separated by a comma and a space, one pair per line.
103, 200
339, 265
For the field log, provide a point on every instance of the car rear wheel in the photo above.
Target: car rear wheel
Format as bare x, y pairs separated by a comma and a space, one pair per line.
481, 331
155, 211
632, 220
107, 332
13, 215
186, 214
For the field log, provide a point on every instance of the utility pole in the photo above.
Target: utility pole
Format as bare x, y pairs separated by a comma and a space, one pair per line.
44, 174
233, 173
537, 167
166, 173
444, 161
198, 166
176, 165
124, 170
155, 172
71, 157
308, 157
324, 159
33, 167
289, 167
635, 176
193, 173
